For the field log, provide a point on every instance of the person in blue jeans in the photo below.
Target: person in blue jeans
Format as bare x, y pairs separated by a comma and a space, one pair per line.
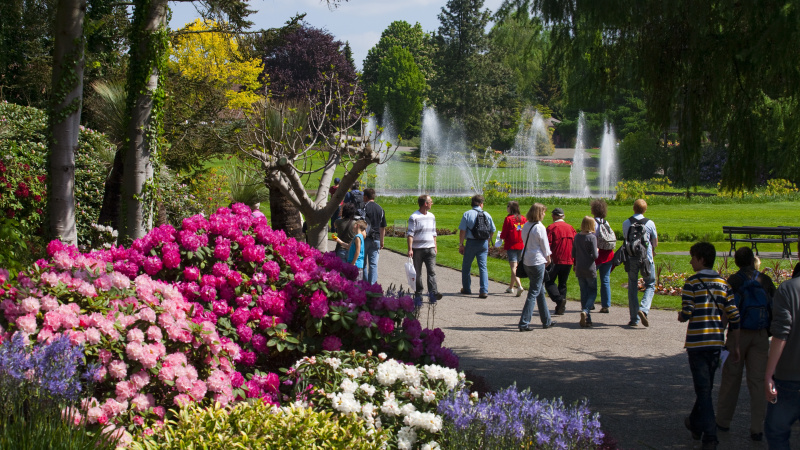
473, 248
536, 255
373, 242
639, 311
605, 257
782, 378
706, 298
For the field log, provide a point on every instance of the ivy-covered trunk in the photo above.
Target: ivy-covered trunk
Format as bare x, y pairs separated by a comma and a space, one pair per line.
65, 118
148, 56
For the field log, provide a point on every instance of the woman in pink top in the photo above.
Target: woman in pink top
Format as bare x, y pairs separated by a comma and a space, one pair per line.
511, 234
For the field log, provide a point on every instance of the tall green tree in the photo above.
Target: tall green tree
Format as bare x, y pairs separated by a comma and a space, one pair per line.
400, 86
471, 83
399, 34
704, 67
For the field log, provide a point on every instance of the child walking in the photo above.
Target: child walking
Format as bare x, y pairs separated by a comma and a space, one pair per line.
356, 254
584, 252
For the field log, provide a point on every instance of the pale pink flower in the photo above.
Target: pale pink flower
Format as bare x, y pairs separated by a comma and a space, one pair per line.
49, 303
182, 400
167, 373
154, 333
44, 335
134, 351
105, 356
198, 390
140, 379
146, 314
118, 370
96, 415
183, 384
87, 290
125, 390
76, 337
27, 324
93, 336
138, 420
142, 402
217, 381
159, 411
30, 305
135, 335
113, 408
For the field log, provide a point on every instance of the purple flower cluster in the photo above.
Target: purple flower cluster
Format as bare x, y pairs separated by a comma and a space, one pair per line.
510, 418
54, 369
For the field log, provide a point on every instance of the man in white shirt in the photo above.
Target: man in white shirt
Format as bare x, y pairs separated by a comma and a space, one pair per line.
421, 236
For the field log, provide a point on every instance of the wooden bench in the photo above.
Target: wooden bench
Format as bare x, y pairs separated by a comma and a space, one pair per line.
763, 235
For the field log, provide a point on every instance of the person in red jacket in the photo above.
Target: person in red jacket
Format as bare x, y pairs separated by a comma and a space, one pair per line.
512, 243
560, 236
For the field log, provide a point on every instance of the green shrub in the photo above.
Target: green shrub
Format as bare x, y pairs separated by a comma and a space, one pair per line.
639, 156
259, 425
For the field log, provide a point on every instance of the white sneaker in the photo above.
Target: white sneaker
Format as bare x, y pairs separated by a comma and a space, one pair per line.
520, 291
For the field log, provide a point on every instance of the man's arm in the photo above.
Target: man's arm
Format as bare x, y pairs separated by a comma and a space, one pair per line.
383, 234
410, 240
775, 351
462, 234
435, 246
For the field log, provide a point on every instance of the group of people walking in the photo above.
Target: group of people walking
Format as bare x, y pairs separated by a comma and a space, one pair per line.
747, 304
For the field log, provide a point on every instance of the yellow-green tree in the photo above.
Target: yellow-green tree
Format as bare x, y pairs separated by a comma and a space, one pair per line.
199, 54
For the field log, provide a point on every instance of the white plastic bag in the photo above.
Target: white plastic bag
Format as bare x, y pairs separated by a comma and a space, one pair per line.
411, 274
498, 242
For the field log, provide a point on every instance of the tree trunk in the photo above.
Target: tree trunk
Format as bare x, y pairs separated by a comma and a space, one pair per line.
147, 54
109, 212
65, 117
285, 215
318, 234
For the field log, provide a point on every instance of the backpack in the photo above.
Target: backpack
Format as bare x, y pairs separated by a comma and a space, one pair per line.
636, 241
753, 303
481, 230
357, 198
606, 239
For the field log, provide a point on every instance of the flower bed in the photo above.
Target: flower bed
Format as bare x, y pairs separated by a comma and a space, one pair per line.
554, 162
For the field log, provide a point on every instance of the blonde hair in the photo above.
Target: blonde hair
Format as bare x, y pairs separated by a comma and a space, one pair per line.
361, 225
536, 213
588, 224
639, 206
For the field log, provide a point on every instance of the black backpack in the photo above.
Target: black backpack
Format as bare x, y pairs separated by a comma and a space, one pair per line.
357, 199
636, 241
753, 303
481, 230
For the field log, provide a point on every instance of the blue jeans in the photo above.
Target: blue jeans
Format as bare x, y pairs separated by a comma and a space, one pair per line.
782, 414
604, 275
475, 248
703, 364
633, 289
341, 252
535, 293
588, 294
372, 247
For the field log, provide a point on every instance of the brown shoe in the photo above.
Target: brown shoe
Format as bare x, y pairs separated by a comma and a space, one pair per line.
643, 319
483, 295
464, 292
604, 310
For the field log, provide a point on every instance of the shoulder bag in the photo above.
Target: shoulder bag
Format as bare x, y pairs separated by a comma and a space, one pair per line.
520, 266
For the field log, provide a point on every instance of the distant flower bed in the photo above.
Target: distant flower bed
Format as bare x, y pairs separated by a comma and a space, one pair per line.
555, 162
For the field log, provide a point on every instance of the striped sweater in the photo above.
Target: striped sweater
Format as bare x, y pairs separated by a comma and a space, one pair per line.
705, 296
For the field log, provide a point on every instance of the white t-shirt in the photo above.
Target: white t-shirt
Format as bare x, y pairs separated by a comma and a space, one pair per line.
537, 249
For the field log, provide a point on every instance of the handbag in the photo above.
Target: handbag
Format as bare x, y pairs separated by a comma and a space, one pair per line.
411, 274
521, 273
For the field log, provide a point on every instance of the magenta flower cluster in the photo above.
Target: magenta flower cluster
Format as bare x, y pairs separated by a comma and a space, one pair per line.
188, 314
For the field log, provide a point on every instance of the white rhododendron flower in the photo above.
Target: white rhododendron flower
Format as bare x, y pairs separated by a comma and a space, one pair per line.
368, 389
428, 395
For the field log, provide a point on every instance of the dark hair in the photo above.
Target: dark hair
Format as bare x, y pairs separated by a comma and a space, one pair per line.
348, 210
513, 209
355, 186
422, 199
743, 257
704, 251
599, 208
369, 194
477, 200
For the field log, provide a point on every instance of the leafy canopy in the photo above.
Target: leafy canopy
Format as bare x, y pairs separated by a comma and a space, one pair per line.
400, 86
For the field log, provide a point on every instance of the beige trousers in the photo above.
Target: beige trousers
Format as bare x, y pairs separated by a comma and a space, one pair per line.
753, 348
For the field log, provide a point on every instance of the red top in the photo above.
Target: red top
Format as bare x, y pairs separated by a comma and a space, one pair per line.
511, 233
604, 256
560, 236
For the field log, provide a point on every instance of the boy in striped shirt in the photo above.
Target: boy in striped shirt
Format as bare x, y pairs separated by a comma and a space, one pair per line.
706, 295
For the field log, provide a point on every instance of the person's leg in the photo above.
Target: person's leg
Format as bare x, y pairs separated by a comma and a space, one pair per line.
537, 283
371, 249
604, 275
527, 309
782, 414
591, 296
552, 289
342, 254
633, 291
729, 385
649, 288
470, 252
483, 270
563, 276
756, 364
703, 364
418, 258
429, 258
584, 287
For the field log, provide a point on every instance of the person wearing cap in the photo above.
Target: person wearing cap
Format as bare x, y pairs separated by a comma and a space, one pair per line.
332, 190
560, 236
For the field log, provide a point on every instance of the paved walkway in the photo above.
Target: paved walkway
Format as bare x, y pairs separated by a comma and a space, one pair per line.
638, 379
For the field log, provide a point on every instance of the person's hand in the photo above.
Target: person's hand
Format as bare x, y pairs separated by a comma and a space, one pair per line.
770, 391
381, 245
680, 317
410, 253
461, 248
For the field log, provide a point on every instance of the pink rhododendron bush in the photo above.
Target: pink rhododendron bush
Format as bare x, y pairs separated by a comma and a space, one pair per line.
207, 312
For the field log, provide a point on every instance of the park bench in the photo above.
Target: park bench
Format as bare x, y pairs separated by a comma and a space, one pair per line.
763, 235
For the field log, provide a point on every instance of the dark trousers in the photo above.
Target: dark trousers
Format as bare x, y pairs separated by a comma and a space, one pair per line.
558, 292
703, 364
428, 257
